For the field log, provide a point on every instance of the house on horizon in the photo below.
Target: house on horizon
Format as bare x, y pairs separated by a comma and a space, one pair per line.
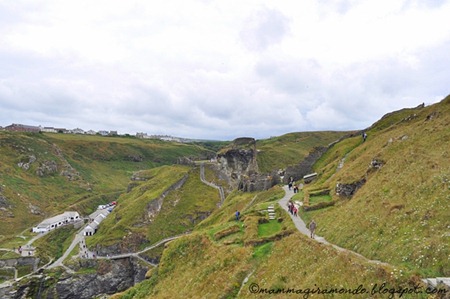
103, 133
23, 128
77, 131
49, 130
142, 135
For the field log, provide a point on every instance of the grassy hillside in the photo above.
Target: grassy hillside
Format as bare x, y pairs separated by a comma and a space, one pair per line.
215, 260
400, 215
134, 223
44, 174
289, 149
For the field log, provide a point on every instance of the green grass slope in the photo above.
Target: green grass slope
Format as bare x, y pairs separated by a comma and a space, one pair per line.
135, 223
401, 214
290, 149
221, 253
76, 172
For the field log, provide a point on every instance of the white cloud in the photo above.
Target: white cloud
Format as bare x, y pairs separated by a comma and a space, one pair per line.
264, 28
219, 69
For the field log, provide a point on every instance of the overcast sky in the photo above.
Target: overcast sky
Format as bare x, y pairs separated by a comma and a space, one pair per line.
219, 69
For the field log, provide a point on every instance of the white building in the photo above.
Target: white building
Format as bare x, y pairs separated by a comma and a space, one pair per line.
49, 130
56, 221
97, 217
77, 131
90, 229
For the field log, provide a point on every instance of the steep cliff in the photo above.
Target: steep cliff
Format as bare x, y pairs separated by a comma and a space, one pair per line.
106, 277
238, 162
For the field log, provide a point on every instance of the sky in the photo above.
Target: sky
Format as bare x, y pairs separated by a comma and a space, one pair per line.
219, 69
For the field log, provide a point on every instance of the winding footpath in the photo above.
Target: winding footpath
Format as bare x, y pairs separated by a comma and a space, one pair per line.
301, 226
219, 188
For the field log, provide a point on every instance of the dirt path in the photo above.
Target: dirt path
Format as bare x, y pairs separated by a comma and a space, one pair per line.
301, 226
219, 188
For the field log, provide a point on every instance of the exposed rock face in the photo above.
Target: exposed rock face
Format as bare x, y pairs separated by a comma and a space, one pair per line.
298, 171
26, 165
258, 182
35, 210
348, 190
239, 164
240, 159
135, 158
111, 277
5, 206
375, 164
155, 205
47, 168
4, 202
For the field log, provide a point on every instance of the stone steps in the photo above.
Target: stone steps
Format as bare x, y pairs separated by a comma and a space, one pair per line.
271, 211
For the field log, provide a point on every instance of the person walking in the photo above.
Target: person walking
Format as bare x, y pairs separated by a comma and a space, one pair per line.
312, 228
237, 215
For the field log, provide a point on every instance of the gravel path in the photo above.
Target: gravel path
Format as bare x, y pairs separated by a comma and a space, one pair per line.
301, 226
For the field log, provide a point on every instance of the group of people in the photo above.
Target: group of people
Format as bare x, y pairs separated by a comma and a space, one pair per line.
293, 208
292, 186
84, 252
23, 251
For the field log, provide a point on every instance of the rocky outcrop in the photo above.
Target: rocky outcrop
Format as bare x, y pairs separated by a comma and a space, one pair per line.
47, 168
238, 163
258, 182
4, 204
134, 158
154, 206
110, 277
26, 165
35, 210
347, 190
239, 160
67, 170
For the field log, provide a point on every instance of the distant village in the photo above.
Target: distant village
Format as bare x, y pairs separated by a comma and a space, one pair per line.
39, 129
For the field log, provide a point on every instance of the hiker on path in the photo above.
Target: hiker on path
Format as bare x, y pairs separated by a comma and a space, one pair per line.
364, 136
291, 183
237, 215
312, 228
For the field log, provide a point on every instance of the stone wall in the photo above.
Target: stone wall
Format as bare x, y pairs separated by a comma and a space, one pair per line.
20, 261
